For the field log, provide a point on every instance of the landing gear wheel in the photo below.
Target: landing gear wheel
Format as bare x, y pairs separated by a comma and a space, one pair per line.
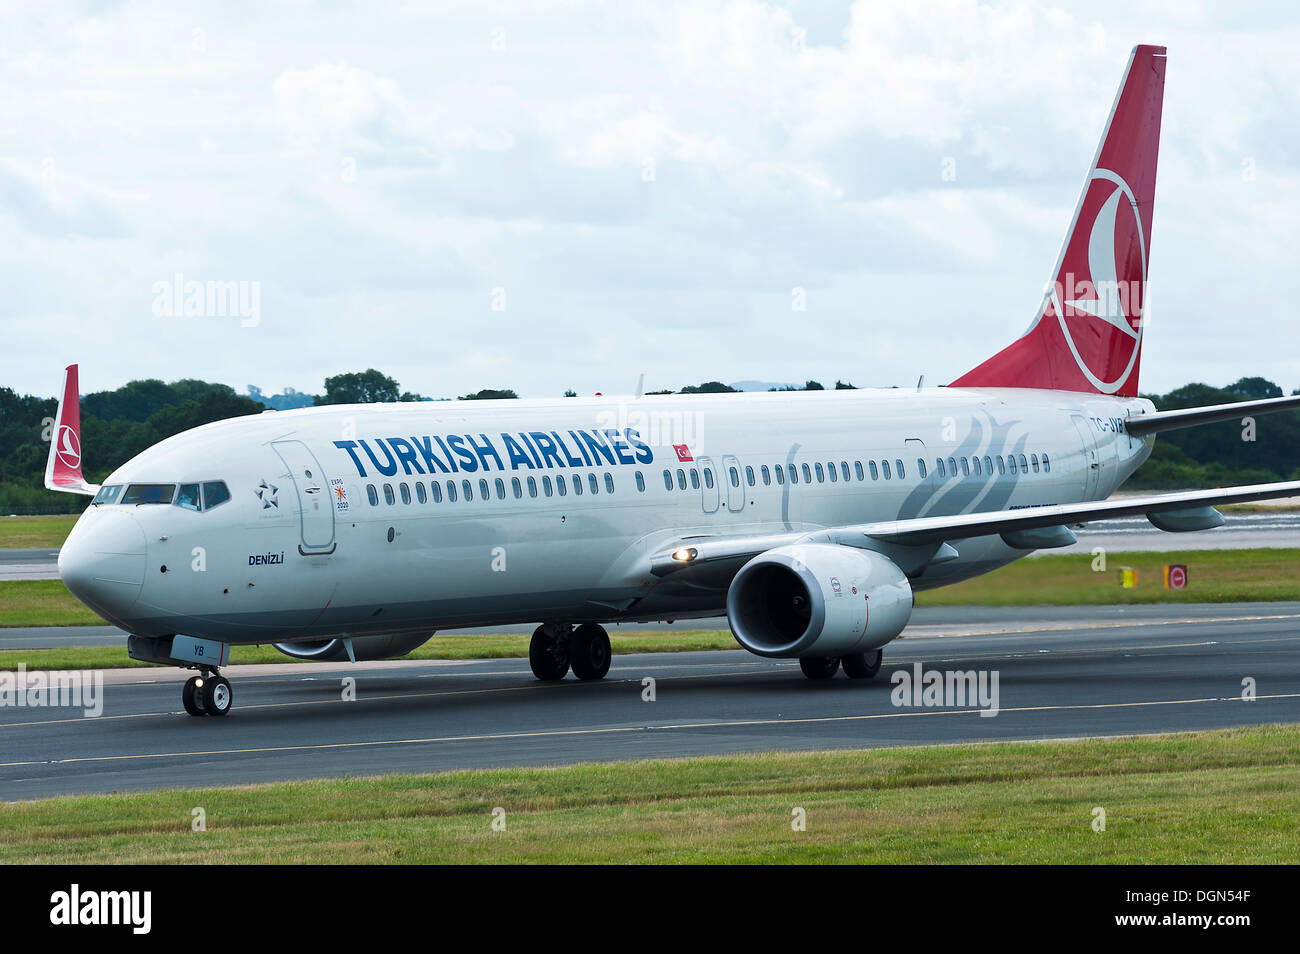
863, 665
589, 651
548, 654
190, 697
217, 695
819, 667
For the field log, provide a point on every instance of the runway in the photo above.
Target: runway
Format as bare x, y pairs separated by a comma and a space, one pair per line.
1094, 674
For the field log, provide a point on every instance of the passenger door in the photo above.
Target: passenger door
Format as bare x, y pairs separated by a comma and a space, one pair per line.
315, 508
711, 496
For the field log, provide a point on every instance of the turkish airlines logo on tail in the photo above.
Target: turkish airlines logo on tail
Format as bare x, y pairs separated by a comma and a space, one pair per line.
69, 447
1098, 296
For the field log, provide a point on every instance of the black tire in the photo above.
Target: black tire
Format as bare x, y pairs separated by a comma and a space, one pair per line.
589, 652
190, 697
218, 697
549, 658
863, 665
819, 667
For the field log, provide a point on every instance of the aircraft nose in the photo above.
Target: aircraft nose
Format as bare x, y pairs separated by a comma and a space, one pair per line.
103, 562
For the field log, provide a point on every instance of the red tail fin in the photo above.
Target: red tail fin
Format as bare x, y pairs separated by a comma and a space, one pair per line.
1087, 335
63, 468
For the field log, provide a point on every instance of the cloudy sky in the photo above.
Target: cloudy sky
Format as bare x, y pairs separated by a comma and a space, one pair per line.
567, 195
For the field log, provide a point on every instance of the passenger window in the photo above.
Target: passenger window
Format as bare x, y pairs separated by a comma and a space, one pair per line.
681, 480
372, 495
1034, 460
215, 492
821, 474
149, 494
1011, 463
405, 492
532, 486
749, 476
767, 475
451, 491
561, 485
965, 467
546, 486
952, 466
807, 474
830, 471
988, 465
857, 469
898, 469
420, 494
640, 483
780, 475
735, 476
875, 473
468, 490
188, 497
938, 467
695, 479
668, 479
501, 489
577, 484
1024, 465
708, 477
595, 487
884, 469
976, 462
388, 495
516, 488
794, 474
1047, 466
437, 491
920, 468
844, 470
484, 492
609, 482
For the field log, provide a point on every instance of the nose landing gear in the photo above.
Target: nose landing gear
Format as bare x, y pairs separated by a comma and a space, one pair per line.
209, 693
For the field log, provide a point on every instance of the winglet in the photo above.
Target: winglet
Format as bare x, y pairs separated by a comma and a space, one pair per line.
63, 468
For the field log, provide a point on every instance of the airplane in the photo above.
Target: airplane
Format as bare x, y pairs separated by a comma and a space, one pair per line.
809, 518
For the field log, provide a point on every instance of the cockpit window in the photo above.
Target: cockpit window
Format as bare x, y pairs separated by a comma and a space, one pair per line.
149, 494
215, 492
108, 495
188, 497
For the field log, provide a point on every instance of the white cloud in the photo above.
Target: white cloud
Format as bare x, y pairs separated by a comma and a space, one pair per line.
648, 183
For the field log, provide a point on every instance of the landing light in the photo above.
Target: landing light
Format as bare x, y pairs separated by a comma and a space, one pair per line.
685, 554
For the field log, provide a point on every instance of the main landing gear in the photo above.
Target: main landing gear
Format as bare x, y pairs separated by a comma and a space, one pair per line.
856, 666
558, 647
208, 694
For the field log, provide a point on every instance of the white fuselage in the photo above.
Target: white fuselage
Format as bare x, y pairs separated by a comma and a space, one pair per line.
300, 551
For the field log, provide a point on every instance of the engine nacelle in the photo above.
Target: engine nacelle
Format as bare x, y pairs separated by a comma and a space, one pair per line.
385, 646
818, 599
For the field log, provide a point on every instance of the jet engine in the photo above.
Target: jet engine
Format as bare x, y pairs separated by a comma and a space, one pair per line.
818, 599
384, 646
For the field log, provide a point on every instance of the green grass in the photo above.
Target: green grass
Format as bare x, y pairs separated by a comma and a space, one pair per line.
487, 646
26, 533
42, 603
1231, 796
1215, 576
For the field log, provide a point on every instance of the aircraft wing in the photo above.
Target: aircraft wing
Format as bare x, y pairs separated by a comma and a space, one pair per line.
1193, 416
1188, 510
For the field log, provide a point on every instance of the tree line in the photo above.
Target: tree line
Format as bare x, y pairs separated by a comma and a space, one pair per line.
116, 425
